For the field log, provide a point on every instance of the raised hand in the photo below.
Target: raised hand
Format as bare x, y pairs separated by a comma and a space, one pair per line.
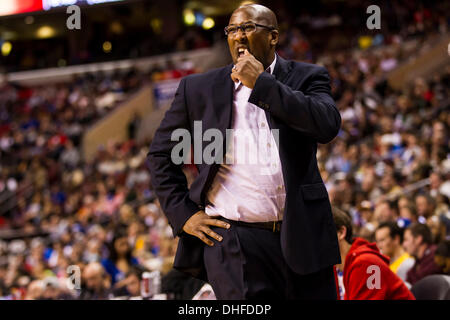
247, 70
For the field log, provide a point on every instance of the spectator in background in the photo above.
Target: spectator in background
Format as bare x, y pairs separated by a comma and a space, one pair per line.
95, 285
55, 290
133, 282
425, 205
437, 229
358, 257
418, 243
120, 258
385, 211
133, 126
131, 285
408, 213
70, 157
442, 256
389, 238
35, 290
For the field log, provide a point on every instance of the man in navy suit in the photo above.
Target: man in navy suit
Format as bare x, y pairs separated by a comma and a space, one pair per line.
253, 230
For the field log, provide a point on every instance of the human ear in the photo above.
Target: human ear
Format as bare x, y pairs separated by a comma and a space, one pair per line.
342, 232
274, 37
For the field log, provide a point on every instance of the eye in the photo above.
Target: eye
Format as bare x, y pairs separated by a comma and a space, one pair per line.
231, 29
249, 28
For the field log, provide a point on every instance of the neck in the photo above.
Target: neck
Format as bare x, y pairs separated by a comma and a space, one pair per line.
421, 251
344, 248
397, 253
269, 61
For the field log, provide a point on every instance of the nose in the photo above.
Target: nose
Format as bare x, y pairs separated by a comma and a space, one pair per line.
240, 35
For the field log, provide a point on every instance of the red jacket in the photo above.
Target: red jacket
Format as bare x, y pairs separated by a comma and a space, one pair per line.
367, 275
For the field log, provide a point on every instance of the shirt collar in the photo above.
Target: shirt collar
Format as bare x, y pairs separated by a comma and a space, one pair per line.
269, 69
272, 65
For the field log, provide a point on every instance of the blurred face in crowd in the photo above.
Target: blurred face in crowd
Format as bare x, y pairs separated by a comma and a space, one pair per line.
50, 292
387, 182
436, 228
368, 182
133, 285
407, 213
422, 205
438, 135
35, 290
403, 103
121, 245
403, 202
386, 124
443, 262
93, 275
385, 242
383, 212
260, 43
411, 244
435, 180
366, 214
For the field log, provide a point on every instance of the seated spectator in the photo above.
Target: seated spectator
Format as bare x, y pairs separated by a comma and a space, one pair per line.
437, 228
54, 290
425, 205
442, 256
385, 211
358, 256
408, 213
418, 243
35, 290
131, 285
94, 285
389, 238
120, 259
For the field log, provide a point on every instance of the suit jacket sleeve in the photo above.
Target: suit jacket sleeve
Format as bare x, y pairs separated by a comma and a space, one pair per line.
311, 111
168, 179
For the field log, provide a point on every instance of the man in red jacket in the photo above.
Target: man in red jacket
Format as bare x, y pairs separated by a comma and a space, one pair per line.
365, 271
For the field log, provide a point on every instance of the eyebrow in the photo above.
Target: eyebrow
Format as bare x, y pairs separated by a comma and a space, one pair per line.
234, 24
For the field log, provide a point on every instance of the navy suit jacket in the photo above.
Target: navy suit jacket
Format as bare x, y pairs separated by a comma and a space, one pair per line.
297, 100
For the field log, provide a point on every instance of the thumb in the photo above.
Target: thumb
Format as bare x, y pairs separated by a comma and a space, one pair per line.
247, 53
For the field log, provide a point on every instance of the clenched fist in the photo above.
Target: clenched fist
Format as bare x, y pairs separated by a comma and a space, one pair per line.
247, 70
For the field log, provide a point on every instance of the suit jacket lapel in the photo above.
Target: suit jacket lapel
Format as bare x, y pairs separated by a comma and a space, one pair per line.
281, 69
222, 90
222, 97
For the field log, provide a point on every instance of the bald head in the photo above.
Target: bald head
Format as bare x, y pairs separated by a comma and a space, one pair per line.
93, 275
260, 42
262, 12
93, 269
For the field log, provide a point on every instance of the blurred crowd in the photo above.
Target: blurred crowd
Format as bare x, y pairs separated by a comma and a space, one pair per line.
389, 166
62, 217
100, 217
59, 211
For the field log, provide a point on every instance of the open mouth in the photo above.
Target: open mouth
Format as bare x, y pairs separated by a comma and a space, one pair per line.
241, 52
